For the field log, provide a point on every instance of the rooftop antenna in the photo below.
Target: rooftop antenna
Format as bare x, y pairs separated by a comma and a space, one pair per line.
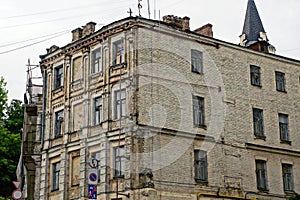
149, 9
130, 12
140, 7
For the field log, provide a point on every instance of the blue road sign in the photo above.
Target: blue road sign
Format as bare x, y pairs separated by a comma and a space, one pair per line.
92, 192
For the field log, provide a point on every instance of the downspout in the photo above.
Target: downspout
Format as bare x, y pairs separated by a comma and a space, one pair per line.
43, 107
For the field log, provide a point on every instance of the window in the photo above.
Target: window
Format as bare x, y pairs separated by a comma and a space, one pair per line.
118, 52
58, 123
284, 127
77, 68
200, 166
58, 77
55, 175
255, 75
197, 61
258, 122
96, 61
98, 110
287, 175
261, 175
198, 111
120, 103
280, 81
119, 161
96, 155
75, 170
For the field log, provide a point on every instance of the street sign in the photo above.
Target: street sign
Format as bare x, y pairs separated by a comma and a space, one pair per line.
93, 176
17, 194
92, 192
93, 163
17, 184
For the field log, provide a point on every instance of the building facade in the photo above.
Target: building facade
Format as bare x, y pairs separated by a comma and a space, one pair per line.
159, 111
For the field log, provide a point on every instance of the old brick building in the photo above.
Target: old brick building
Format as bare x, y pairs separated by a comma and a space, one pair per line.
163, 112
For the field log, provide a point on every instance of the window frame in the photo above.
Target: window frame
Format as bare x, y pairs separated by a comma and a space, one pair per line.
55, 176
118, 50
196, 61
119, 100
98, 110
58, 76
287, 177
119, 161
96, 62
258, 123
200, 166
261, 175
284, 127
58, 123
280, 81
255, 75
198, 104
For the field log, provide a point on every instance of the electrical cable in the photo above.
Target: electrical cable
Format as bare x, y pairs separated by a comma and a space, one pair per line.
28, 45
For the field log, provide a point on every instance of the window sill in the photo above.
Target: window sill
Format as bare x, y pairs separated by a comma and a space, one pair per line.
57, 90
54, 190
57, 137
200, 126
256, 85
96, 74
118, 66
286, 142
117, 177
260, 137
196, 72
199, 181
263, 190
283, 91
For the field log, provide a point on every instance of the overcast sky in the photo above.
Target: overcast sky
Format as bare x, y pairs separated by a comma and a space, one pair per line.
45, 23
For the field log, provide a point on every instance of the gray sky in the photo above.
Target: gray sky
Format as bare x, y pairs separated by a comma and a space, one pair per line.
34, 21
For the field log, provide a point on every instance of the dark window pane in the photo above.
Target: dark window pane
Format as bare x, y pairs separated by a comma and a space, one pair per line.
198, 111
255, 75
280, 81
258, 122
196, 61
200, 165
261, 175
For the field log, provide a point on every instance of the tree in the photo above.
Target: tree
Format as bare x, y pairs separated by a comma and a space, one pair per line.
11, 123
296, 197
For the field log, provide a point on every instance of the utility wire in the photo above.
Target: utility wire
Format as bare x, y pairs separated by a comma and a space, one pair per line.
28, 45
62, 10
19, 42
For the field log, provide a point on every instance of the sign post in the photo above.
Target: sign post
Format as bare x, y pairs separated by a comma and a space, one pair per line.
92, 179
17, 193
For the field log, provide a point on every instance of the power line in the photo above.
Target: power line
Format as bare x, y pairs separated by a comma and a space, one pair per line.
61, 10
28, 45
19, 42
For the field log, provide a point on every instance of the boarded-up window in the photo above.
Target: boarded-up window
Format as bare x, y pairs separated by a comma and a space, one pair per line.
77, 69
75, 170
77, 117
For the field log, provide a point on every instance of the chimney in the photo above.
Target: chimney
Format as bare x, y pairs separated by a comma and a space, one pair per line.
186, 23
178, 22
76, 34
205, 30
88, 29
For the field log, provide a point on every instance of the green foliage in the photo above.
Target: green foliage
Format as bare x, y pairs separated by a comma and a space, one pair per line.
296, 197
11, 123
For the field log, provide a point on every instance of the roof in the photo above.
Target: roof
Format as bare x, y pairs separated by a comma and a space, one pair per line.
252, 25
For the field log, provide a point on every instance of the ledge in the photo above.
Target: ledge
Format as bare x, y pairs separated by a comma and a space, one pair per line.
273, 149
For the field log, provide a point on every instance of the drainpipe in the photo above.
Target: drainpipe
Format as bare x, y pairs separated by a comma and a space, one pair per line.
43, 107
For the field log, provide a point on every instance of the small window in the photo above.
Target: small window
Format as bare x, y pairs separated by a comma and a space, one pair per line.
55, 175
96, 61
120, 103
284, 127
119, 161
77, 68
96, 155
58, 77
98, 111
280, 81
287, 175
261, 175
118, 52
255, 75
58, 123
200, 166
198, 111
197, 61
258, 122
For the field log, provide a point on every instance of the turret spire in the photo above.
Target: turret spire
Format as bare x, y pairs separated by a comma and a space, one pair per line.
254, 35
